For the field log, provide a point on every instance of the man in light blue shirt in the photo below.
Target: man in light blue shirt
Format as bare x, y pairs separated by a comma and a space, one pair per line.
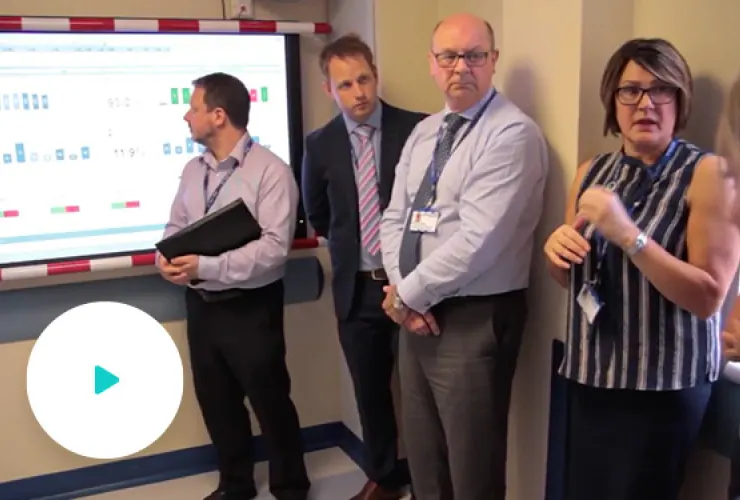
457, 240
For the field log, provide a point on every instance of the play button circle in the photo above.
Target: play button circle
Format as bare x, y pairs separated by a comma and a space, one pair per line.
104, 380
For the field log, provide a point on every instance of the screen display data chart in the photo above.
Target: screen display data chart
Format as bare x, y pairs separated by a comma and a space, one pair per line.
93, 139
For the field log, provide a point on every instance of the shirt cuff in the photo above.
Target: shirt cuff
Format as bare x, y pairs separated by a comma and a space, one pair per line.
413, 294
394, 276
208, 268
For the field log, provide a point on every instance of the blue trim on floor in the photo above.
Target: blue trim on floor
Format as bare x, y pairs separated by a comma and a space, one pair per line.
352, 446
557, 457
139, 471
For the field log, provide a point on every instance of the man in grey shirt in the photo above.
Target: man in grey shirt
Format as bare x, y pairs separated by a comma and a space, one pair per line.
457, 241
235, 311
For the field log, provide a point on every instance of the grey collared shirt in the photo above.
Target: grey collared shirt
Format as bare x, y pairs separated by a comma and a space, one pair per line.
367, 262
269, 189
489, 199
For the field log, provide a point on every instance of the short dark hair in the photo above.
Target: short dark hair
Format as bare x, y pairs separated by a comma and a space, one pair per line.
221, 90
664, 61
349, 45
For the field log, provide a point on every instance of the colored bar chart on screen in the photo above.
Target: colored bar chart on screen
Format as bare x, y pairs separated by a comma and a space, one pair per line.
24, 102
187, 147
20, 153
69, 209
7, 214
260, 94
179, 95
125, 204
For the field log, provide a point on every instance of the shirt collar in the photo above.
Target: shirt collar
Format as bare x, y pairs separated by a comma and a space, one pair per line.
237, 153
472, 110
373, 120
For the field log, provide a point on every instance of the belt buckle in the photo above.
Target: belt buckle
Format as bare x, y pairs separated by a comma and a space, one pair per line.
378, 275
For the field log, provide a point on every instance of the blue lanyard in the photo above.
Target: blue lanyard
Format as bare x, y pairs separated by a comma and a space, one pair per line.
436, 169
631, 203
210, 200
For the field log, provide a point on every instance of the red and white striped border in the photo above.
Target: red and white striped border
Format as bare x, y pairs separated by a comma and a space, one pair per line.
123, 25
109, 263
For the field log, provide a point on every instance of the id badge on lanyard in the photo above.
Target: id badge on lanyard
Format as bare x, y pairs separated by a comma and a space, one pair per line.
426, 220
210, 200
588, 298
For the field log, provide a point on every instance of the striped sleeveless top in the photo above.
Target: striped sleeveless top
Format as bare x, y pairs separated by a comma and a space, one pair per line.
640, 340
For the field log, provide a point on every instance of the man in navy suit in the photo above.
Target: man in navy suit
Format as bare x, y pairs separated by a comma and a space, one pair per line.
347, 176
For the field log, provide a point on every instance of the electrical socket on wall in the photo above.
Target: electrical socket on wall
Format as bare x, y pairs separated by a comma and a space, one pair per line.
240, 9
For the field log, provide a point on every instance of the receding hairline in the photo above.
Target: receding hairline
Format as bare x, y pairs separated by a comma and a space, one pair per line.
486, 24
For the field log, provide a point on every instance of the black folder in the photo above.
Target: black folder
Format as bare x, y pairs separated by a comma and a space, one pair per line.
228, 228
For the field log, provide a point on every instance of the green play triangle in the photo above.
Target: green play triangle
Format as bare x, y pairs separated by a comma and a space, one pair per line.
104, 379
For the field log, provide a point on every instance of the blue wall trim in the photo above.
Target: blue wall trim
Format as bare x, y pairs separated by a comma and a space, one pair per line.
151, 469
139, 471
27, 312
557, 456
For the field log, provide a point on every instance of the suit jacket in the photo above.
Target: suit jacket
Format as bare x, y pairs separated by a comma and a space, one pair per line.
330, 192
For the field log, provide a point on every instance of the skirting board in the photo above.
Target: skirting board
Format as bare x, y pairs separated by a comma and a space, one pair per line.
139, 471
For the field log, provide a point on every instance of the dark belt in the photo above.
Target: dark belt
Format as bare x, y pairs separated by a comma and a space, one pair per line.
375, 274
219, 295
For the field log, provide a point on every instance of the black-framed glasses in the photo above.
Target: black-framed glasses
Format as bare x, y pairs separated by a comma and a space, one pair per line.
630, 95
472, 58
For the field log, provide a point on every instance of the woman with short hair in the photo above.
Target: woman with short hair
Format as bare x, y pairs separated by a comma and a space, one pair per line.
647, 252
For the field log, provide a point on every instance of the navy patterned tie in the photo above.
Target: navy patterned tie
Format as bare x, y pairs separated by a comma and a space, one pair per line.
408, 257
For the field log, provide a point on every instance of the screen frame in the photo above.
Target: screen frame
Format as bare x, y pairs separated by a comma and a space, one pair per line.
294, 90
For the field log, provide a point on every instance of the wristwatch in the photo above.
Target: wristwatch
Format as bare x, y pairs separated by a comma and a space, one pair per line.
637, 245
398, 304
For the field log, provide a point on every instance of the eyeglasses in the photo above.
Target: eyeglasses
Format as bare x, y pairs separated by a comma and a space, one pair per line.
630, 95
473, 58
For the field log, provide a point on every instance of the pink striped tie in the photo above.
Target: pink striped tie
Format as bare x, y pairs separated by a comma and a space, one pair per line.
367, 190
